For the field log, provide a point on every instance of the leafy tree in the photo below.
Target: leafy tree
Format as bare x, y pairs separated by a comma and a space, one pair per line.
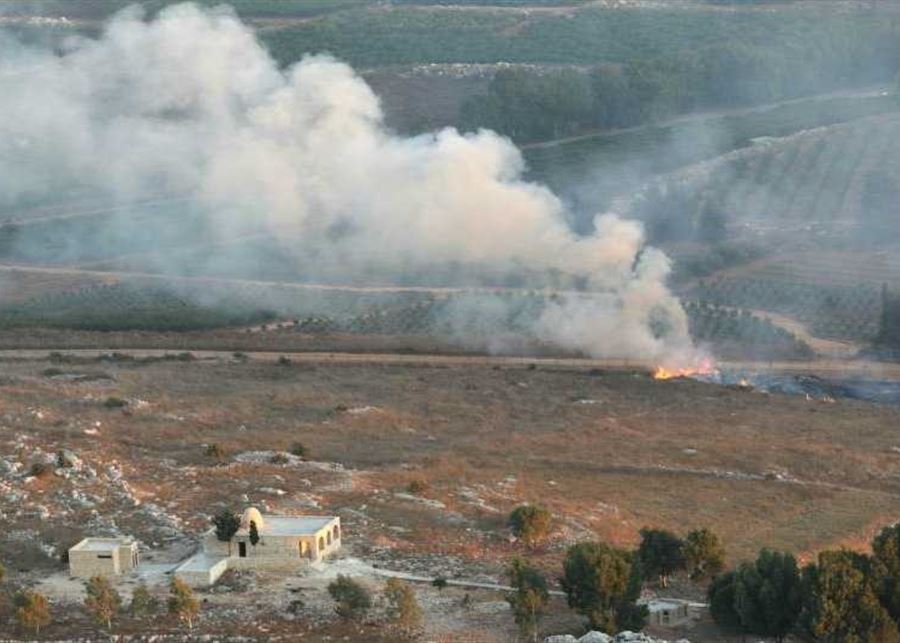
703, 554
439, 583
183, 603
530, 523
722, 595
841, 601
254, 533
143, 602
886, 554
603, 583
102, 600
404, 609
768, 594
661, 554
352, 600
530, 597
32, 610
227, 524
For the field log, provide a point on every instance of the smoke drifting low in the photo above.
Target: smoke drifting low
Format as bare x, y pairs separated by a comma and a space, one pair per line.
191, 104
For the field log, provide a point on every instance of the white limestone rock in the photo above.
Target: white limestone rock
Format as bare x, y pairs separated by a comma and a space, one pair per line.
595, 637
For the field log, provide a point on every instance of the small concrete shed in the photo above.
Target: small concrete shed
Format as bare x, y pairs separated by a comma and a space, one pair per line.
103, 557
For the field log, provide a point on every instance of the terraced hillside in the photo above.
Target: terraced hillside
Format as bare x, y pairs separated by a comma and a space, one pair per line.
821, 181
592, 171
824, 198
470, 319
829, 311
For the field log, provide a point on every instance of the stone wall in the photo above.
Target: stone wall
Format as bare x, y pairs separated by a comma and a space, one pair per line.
84, 564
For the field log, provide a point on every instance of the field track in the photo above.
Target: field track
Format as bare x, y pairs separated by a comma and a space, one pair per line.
823, 368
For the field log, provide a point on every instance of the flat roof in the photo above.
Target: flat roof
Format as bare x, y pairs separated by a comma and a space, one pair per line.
102, 544
293, 525
200, 562
658, 605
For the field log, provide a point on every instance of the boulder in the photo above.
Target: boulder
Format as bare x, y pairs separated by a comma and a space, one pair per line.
561, 638
595, 637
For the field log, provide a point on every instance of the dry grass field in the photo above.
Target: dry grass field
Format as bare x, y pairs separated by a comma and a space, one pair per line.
586, 443
608, 452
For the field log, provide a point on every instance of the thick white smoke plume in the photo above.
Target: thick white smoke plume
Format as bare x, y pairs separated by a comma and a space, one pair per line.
191, 103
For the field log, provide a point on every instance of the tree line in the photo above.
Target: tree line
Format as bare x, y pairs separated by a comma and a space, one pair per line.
843, 597
31, 610
529, 104
601, 582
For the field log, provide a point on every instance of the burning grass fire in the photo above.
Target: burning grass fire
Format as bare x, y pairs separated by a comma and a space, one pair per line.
705, 367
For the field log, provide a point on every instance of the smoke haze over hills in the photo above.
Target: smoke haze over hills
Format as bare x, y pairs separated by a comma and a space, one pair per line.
191, 104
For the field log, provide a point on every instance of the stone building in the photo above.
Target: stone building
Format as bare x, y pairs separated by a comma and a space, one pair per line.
673, 612
103, 557
285, 543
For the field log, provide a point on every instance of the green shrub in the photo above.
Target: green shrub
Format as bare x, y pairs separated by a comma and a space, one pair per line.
115, 403
279, 458
352, 600
530, 523
417, 486
40, 470
216, 452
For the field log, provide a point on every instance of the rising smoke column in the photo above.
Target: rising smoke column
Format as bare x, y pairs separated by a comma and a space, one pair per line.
191, 103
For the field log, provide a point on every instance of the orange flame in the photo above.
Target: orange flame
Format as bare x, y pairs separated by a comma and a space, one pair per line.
705, 367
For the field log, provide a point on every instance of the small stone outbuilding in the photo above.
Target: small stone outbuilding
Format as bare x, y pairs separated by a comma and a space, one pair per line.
103, 557
285, 543
673, 612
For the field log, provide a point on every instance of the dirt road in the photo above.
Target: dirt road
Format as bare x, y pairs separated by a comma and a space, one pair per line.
823, 368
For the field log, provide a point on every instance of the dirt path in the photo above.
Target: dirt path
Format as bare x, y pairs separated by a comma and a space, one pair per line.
387, 573
827, 348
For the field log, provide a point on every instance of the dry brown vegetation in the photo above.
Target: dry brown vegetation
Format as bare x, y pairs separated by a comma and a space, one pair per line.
611, 451
608, 452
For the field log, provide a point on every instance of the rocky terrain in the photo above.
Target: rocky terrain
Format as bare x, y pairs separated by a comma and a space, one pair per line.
600, 637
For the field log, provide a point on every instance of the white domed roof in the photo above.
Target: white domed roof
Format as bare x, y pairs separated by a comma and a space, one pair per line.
251, 514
